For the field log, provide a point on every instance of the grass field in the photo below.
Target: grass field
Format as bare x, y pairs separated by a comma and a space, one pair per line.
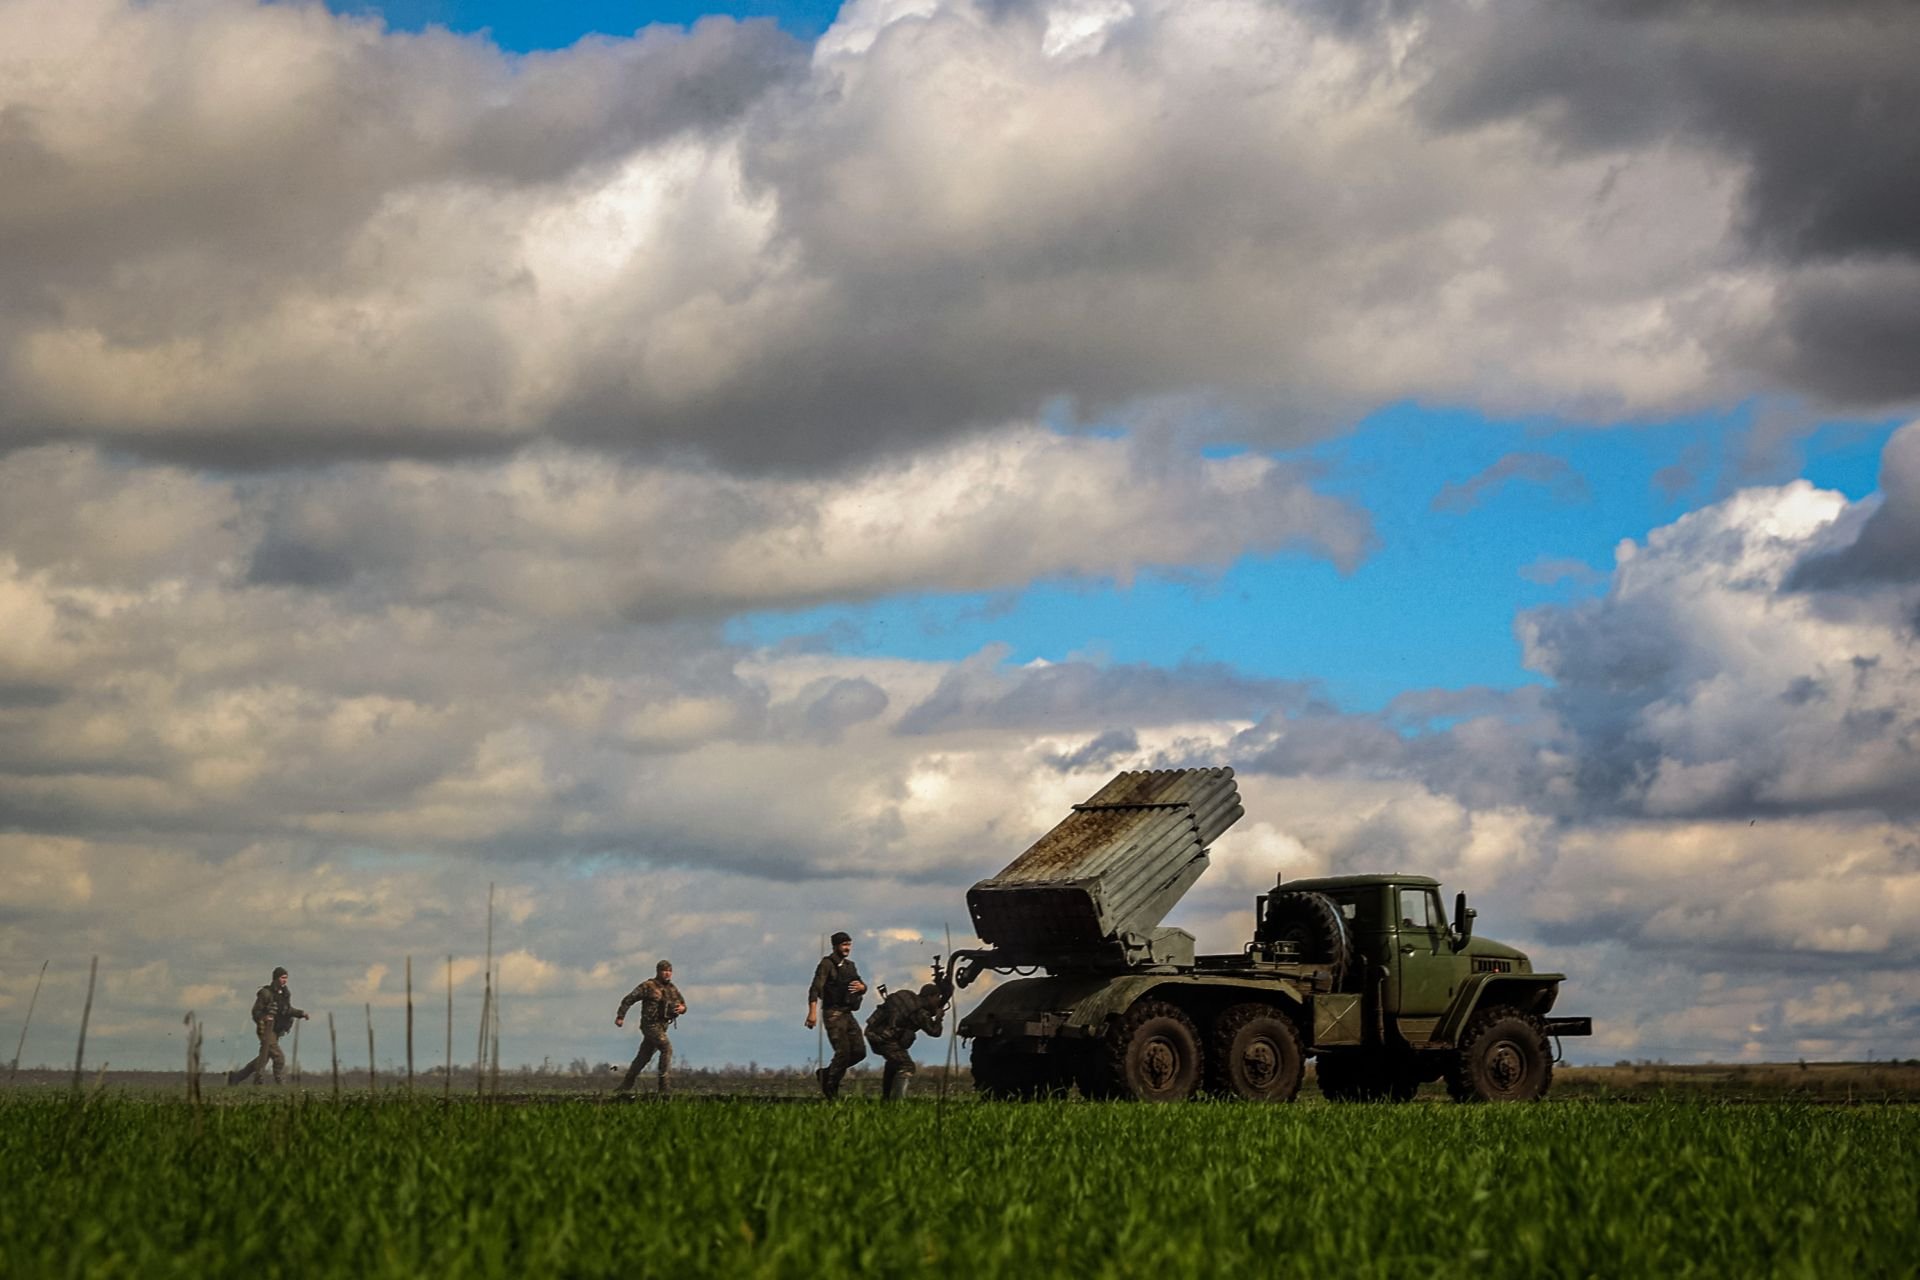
126, 1187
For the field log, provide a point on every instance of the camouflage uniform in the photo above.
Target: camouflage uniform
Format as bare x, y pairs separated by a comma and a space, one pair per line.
892, 1028
273, 1015
831, 980
659, 1002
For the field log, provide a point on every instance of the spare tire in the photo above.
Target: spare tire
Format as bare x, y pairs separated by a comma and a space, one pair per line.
1311, 921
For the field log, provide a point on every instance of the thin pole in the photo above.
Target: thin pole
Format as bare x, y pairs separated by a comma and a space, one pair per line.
86, 1016
494, 1086
334, 1040
820, 1031
296, 1051
15, 1068
409, 1024
480, 1059
486, 1004
449, 1080
373, 1085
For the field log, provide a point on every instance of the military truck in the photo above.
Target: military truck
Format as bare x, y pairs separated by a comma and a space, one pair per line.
1361, 973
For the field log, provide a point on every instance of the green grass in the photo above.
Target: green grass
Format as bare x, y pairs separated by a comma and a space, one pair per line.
133, 1188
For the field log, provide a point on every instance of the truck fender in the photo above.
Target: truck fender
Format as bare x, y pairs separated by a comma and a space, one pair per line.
1533, 992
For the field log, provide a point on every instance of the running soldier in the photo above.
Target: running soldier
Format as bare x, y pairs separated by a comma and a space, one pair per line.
837, 985
660, 1003
900, 1017
273, 1015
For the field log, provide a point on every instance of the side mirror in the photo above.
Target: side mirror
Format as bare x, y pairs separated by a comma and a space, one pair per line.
1462, 920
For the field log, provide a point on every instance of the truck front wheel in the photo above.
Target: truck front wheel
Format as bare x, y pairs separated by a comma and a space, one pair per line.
1151, 1054
1503, 1058
1255, 1053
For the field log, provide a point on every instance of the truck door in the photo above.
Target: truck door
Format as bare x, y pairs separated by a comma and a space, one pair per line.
1423, 957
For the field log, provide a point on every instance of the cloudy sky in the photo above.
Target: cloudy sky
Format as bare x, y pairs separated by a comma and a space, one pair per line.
727, 476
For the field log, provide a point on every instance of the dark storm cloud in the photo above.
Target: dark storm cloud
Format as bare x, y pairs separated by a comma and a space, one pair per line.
1819, 102
1887, 548
826, 708
1098, 752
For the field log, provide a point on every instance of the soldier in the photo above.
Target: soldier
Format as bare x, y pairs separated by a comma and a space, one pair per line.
660, 1003
891, 1029
837, 985
273, 1015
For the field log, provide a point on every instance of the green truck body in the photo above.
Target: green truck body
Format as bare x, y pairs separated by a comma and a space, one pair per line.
1364, 974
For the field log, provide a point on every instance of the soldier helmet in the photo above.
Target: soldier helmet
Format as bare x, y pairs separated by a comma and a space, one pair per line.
279, 974
842, 936
663, 966
932, 992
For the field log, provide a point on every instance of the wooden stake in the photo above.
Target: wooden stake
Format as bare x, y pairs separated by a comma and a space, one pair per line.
333, 1039
86, 1016
296, 1050
193, 1067
15, 1068
409, 1024
373, 1085
449, 1079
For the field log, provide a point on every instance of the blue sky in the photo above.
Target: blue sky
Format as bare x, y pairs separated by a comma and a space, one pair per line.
524, 27
1432, 607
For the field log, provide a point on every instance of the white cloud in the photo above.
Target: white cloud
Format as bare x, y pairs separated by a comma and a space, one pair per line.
398, 245
548, 365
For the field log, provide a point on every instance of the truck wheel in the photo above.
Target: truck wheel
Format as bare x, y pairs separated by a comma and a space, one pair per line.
1255, 1053
1363, 1077
1152, 1054
1314, 923
1503, 1058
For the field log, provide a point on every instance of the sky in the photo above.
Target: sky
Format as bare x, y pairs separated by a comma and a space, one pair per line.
722, 477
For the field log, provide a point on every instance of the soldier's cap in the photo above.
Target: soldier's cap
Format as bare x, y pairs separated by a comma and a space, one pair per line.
278, 974
841, 937
932, 992
663, 966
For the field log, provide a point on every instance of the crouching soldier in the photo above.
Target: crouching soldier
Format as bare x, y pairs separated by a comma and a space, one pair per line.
837, 985
273, 1015
900, 1017
660, 1004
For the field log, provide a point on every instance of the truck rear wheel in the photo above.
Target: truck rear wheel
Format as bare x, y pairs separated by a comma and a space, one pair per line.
1502, 1058
1255, 1053
1151, 1054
